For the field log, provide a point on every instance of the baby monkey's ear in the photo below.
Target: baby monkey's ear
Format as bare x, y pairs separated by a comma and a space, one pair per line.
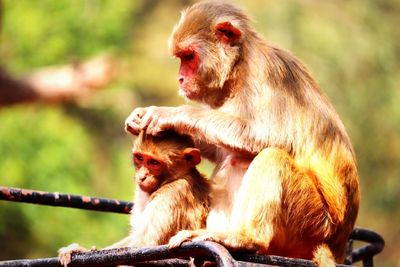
192, 156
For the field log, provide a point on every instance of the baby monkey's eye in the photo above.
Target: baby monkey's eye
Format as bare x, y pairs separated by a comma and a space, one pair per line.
138, 157
154, 162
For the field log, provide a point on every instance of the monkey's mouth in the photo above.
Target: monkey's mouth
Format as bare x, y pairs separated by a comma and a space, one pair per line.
186, 92
145, 187
191, 93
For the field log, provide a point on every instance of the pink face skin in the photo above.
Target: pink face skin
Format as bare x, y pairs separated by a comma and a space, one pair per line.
187, 72
188, 78
148, 171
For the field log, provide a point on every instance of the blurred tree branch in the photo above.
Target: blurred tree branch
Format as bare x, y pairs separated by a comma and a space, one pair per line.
57, 84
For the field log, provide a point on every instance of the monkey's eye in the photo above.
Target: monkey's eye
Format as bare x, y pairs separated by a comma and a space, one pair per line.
154, 162
138, 157
187, 56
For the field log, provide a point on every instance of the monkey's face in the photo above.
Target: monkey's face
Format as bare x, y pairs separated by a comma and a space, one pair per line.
204, 68
188, 73
149, 171
208, 50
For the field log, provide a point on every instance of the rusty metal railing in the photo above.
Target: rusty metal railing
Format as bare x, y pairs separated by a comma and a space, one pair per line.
145, 256
367, 252
161, 255
64, 200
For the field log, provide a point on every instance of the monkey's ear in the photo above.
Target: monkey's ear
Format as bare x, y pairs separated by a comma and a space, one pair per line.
227, 33
192, 156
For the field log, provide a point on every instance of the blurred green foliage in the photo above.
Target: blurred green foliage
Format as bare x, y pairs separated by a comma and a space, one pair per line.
353, 48
38, 33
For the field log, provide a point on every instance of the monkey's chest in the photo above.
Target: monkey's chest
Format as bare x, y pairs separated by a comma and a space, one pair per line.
236, 162
229, 174
226, 186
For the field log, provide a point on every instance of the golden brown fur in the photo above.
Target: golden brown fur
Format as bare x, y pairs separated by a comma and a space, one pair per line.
286, 177
175, 199
181, 200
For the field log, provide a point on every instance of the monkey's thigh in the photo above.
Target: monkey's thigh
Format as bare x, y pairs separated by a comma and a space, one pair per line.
272, 190
258, 202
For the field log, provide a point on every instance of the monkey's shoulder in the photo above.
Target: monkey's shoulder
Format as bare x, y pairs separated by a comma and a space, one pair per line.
183, 189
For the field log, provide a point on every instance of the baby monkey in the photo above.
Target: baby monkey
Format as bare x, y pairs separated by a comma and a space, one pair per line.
171, 194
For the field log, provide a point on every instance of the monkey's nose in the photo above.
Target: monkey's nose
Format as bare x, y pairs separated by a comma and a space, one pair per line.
181, 79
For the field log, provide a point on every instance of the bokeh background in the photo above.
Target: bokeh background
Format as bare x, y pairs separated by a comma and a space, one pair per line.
77, 144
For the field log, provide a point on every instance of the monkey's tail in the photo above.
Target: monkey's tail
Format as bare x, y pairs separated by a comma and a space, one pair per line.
323, 256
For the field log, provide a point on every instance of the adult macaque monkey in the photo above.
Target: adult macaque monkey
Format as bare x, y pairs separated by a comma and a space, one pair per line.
171, 194
287, 182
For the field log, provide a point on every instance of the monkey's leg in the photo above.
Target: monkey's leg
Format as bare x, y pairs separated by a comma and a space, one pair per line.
258, 206
278, 201
257, 209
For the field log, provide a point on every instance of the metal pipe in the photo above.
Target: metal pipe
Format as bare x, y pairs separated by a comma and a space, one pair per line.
127, 256
64, 200
376, 244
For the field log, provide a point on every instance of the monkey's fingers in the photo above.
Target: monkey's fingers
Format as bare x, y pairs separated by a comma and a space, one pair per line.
132, 128
139, 113
179, 238
157, 128
209, 236
132, 123
65, 253
147, 118
65, 259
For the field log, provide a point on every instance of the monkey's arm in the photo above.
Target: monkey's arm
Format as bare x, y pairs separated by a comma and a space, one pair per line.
206, 125
157, 222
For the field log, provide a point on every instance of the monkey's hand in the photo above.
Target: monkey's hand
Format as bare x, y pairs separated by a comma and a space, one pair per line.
153, 119
133, 122
179, 238
65, 253
234, 241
